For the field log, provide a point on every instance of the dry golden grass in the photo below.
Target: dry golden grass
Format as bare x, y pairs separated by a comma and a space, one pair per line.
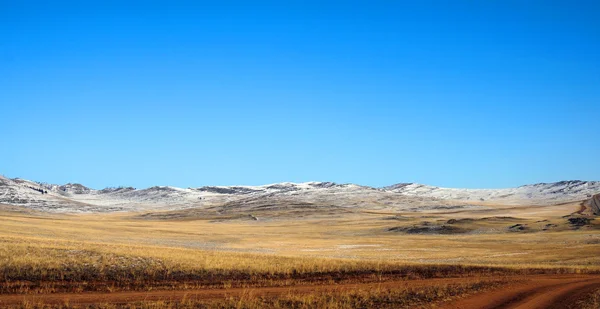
425, 297
591, 302
53, 253
34, 265
360, 236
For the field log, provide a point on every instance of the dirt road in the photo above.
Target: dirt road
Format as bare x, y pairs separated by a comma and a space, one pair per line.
208, 294
540, 291
548, 292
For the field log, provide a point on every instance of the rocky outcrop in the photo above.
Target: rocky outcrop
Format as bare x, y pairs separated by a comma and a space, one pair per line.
75, 188
594, 204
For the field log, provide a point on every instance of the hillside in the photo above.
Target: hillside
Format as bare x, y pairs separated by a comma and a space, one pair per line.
541, 193
405, 197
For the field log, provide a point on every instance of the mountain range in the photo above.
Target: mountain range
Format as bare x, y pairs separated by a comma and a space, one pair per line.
74, 197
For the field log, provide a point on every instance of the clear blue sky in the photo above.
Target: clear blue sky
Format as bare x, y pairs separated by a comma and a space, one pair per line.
473, 94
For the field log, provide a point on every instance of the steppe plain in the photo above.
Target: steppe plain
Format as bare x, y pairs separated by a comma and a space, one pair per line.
311, 245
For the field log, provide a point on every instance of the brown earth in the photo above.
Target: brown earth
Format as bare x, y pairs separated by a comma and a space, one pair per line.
545, 292
582, 209
537, 291
594, 203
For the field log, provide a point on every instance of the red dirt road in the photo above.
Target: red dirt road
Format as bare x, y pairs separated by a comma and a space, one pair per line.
551, 292
540, 291
210, 294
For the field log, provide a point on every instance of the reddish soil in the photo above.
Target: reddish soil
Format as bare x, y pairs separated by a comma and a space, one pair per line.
539, 291
595, 204
549, 292
582, 208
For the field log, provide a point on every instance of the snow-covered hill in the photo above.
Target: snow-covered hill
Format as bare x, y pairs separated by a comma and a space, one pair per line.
409, 197
543, 193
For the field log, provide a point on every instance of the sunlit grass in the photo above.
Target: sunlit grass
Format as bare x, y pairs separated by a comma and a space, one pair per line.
406, 297
112, 252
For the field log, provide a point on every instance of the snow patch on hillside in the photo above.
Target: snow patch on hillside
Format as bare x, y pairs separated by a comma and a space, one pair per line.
73, 197
557, 192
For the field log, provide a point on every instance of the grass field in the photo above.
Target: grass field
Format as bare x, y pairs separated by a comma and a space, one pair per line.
376, 298
41, 253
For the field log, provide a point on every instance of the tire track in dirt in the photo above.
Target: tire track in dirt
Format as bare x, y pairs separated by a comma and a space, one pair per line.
538, 291
87, 298
546, 293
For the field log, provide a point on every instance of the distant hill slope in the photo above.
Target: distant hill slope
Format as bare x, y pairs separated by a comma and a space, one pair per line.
544, 193
408, 197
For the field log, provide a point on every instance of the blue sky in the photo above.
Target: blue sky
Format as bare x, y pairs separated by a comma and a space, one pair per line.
472, 94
